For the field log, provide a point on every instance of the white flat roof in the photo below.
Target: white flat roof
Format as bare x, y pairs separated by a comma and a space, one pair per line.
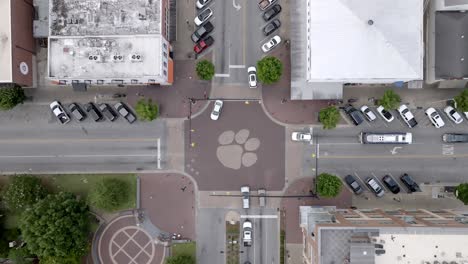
105, 57
419, 248
5, 42
365, 40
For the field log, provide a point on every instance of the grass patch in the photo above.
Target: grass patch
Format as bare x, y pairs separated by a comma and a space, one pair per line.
232, 243
282, 245
188, 249
81, 184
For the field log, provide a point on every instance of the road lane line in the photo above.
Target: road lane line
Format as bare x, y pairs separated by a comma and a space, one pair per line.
222, 75
259, 216
77, 156
237, 66
396, 157
159, 153
41, 141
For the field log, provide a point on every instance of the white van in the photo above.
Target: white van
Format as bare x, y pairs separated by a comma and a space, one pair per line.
245, 191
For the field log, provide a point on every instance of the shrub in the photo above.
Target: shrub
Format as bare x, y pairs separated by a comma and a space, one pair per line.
22, 192
329, 117
269, 70
147, 110
390, 100
462, 193
205, 70
11, 96
328, 185
462, 101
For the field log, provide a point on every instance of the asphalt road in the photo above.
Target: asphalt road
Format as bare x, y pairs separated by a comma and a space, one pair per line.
427, 160
41, 145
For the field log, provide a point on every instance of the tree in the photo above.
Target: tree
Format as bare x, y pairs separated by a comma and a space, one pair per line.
20, 256
11, 96
57, 226
462, 193
205, 70
147, 110
390, 99
181, 259
269, 70
329, 117
328, 185
23, 192
461, 101
110, 194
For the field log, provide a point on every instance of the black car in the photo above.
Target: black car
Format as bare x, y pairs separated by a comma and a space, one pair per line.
391, 184
271, 13
353, 184
354, 114
409, 183
108, 112
455, 138
125, 112
271, 27
77, 112
202, 31
93, 112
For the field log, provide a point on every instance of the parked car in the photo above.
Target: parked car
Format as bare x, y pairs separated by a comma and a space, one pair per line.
265, 4
272, 43
271, 13
247, 233
108, 112
386, 115
202, 3
59, 112
455, 138
435, 117
353, 184
375, 187
218, 105
300, 136
271, 27
354, 114
203, 44
368, 113
453, 114
409, 183
77, 112
93, 111
203, 16
125, 112
252, 71
261, 197
391, 184
407, 116
202, 31
245, 191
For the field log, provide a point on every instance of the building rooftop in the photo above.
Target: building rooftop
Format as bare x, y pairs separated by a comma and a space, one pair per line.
5, 42
365, 40
451, 44
104, 57
104, 17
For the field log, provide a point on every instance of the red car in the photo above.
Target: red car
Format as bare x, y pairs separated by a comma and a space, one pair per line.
203, 44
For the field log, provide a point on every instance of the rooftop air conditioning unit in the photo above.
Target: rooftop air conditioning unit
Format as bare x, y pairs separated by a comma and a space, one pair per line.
135, 58
117, 58
96, 58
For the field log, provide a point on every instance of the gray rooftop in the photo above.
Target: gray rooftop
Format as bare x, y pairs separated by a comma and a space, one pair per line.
104, 17
451, 44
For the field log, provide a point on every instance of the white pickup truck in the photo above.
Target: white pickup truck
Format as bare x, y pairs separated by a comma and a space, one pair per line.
247, 233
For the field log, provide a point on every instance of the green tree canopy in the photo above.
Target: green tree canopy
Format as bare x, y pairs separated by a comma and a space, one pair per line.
147, 110
462, 101
181, 259
390, 100
329, 117
110, 194
462, 193
20, 256
269, 70
57, 226
22, 192
205, 70
11, 96
328, 185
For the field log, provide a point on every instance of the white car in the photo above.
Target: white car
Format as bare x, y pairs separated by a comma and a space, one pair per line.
466, 114
218, 105
59, 112
407, 116
299, 136
271, 44
435, 117
453, 114
247, 233
245, 191
252, 71
386, 115
203, 16
202, 3
368, 113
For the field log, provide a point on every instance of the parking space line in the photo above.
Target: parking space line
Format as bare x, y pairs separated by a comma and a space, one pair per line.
264, 40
